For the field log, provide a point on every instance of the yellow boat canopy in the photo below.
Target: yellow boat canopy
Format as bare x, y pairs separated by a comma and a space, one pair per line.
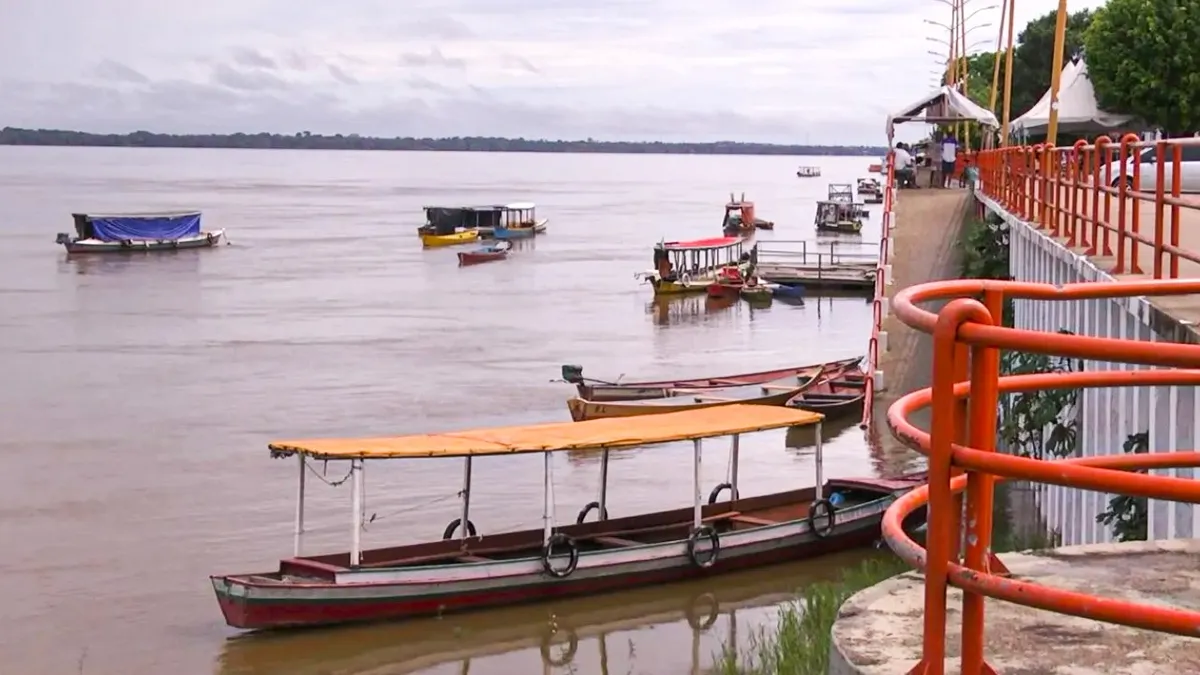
614, 432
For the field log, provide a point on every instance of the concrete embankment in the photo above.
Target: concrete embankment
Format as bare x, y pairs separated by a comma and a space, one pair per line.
879, 630
928, 225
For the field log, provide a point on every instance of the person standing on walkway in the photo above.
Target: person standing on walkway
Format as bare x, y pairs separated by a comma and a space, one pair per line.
902, 166
949, 155
933, 150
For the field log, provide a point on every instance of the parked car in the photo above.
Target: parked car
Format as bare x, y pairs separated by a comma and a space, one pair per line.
1189, 169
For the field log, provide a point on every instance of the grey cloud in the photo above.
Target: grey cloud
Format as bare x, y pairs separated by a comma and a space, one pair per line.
341, 75
119, 72
299, 60
418, 83
246, 80
520, 63
433, 59
252, 58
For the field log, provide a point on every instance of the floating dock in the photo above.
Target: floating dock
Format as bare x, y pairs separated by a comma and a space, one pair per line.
816, 264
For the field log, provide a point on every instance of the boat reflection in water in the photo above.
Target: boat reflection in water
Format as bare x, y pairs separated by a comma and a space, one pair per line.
675, 629
805, 438
682, 310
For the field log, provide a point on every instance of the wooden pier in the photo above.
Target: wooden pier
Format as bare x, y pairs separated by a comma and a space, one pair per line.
817, 264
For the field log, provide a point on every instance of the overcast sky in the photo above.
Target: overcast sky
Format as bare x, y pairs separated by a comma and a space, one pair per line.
817, 71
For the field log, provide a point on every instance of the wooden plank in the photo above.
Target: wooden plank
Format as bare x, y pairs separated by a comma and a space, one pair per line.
779, 387
616, 541
705, 399
752, 520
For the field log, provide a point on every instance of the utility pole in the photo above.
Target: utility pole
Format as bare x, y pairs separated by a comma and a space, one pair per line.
1008, 68
1060, 35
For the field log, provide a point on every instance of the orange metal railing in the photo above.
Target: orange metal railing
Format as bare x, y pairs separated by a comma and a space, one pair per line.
1092, 196
967, 340
879, 302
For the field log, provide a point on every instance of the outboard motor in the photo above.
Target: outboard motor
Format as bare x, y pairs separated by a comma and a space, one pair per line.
572, 374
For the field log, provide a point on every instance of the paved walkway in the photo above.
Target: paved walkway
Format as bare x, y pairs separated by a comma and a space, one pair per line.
925, 238
879, 630
1183, 308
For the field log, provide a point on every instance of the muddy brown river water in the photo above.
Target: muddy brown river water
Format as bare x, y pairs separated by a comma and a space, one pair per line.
138, 393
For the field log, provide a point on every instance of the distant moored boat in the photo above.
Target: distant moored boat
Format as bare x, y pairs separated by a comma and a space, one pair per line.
138, 232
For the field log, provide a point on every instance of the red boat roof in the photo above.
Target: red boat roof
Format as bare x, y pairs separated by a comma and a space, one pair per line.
715, 242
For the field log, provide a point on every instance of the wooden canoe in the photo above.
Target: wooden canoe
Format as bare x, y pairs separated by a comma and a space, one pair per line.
774, 392
598, 391
484, 254
506, 568
835, 397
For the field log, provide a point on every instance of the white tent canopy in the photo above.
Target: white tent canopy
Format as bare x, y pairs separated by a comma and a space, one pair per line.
946, 104
1078, 111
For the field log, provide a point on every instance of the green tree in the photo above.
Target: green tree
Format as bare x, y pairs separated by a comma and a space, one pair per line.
1033, 57
1032, 52
1144, 59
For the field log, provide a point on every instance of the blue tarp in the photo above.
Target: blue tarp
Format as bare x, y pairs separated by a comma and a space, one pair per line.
119, 228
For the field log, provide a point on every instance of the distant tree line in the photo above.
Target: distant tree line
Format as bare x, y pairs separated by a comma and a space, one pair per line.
304, 140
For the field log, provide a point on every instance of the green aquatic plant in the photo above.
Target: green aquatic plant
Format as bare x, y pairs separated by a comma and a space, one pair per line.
799, 642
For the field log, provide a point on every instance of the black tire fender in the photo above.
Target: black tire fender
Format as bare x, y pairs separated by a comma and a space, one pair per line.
583, 513
453, 527
557, 540
716, 492
704, 532
821, 509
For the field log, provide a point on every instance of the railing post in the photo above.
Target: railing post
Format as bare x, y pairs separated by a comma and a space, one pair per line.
941, 516
1122, 200
1177, 157
1136, 220
983, 402
1103, 142
1160, 174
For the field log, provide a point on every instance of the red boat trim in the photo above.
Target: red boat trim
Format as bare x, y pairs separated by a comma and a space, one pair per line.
713, 242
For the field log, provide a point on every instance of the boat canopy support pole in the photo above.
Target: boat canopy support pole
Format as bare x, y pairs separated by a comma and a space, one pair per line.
466, 497
546, 526
356, 495
299, 533
733, 466
820, 465
697, 515
603, 483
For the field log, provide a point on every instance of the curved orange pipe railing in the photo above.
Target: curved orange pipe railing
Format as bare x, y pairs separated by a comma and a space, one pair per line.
1069, 192
964, 400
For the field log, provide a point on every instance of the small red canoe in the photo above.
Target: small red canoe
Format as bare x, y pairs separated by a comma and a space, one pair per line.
498, 251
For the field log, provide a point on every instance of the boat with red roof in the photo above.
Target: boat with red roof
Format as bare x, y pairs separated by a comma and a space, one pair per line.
691, 266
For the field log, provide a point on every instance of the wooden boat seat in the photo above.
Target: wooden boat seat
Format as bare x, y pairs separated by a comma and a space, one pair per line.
858, 383
753, 520
616, 541
779, 387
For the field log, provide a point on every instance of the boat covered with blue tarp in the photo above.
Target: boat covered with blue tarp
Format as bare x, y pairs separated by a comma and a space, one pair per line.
112, 233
